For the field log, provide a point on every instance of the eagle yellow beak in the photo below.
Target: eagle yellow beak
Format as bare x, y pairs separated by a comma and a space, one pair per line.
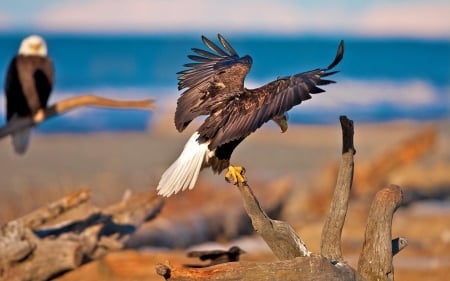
282, 122
35, 47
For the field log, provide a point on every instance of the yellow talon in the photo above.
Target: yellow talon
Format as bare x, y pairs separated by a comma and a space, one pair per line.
235, 174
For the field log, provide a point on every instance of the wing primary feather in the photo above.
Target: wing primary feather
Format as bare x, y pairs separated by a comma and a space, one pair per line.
325, 74
192, 64
312, 88
316, 90
322, 82
205, 53
214, 47
297, 96
227, 45
199, 59
339, 55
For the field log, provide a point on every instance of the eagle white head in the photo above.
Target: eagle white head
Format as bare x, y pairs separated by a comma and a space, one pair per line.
33, 45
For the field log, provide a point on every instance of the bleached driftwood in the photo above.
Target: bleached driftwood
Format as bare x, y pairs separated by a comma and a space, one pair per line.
375, 260
38, 246
278, 235
70, 104
53, 210
296, 262
330, 243
301, 268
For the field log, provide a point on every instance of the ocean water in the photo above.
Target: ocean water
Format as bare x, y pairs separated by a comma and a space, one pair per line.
380, 79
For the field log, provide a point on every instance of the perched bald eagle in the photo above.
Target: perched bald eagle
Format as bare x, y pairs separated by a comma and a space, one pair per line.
214, 85
29, 82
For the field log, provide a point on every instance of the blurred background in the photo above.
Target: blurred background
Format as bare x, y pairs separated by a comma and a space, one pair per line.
394, 83
396, 66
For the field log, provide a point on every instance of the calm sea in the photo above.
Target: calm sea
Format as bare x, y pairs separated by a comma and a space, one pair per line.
379, 80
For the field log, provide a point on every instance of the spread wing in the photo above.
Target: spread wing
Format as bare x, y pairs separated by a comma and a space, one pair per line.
210, 80
245, 114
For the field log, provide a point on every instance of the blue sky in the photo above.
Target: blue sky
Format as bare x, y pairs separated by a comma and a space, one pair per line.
417, 18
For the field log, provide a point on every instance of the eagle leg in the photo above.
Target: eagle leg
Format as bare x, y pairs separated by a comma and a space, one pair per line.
235, 174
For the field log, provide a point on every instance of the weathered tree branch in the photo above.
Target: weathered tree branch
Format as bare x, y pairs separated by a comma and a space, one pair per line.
53, 210
309, 268
375, 261
330, 244
16, 243
86, 234
296, 262
70, 104
279, 236
50, 258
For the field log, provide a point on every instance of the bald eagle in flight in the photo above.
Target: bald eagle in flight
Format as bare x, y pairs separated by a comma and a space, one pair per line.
214, 85
29, 82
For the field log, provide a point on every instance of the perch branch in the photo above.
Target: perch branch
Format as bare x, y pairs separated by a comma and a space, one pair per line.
300, 268
279, 236
296, 262
375, 261
330, 244
70, 104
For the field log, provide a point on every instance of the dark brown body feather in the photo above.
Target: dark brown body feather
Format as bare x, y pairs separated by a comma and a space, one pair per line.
215, 87
29, 82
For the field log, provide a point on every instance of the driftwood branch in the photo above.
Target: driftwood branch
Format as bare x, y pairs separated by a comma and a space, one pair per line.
296, 262
330, 245
375, 261
32, 250
49, 258
70, 104
53, 210
279, 236
302, 268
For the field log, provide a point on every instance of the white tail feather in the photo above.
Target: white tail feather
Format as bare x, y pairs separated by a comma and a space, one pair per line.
183, 173
20, 140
